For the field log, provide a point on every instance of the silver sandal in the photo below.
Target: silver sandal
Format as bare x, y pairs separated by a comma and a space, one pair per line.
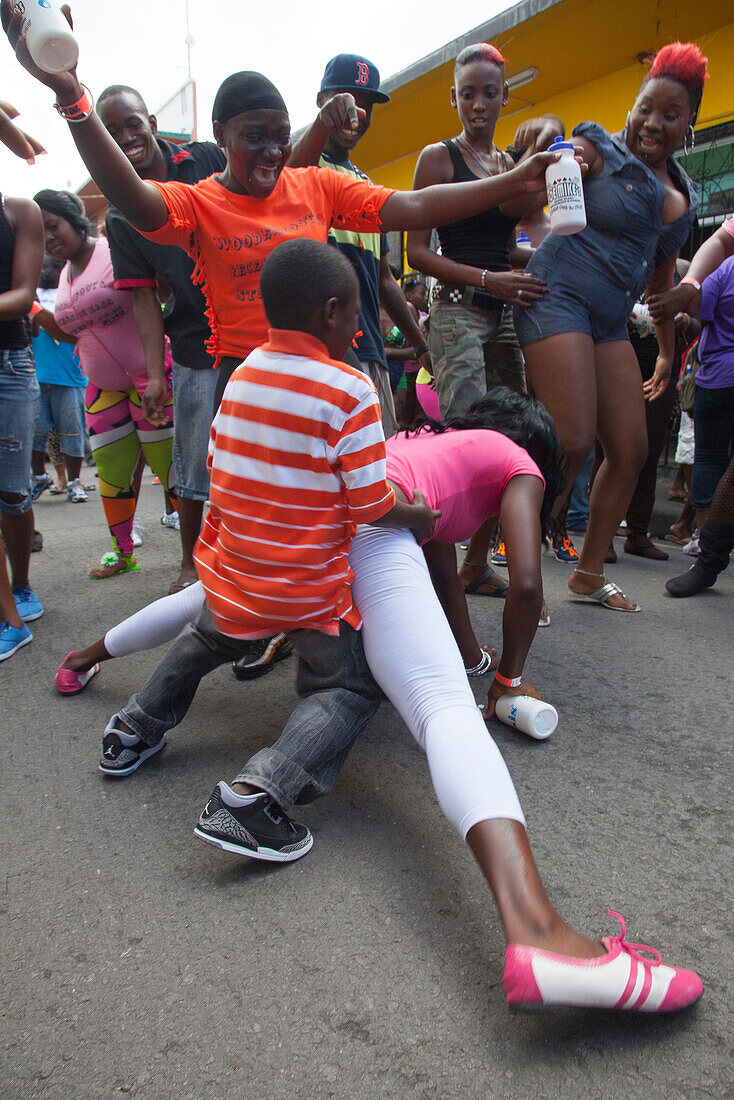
601, 596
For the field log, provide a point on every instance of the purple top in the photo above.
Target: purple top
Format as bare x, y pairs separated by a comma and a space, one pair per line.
716, 347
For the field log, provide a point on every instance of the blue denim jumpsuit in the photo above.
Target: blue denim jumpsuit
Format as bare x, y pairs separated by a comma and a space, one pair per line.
594, 277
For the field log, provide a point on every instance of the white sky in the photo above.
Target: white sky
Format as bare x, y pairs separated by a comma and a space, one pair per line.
142, 43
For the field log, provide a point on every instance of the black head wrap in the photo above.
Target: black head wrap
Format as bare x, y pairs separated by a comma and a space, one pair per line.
64, 204
246, 92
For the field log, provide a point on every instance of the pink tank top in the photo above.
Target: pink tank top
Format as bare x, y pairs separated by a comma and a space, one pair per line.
462, 473
101, 318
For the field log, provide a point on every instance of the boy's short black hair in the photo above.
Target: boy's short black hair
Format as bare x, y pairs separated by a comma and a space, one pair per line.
299, 277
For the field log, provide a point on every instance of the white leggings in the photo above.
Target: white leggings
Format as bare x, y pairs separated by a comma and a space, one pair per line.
156, 624
413, 656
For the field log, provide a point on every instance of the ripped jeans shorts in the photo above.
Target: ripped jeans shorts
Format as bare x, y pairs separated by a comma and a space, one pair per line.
19, 398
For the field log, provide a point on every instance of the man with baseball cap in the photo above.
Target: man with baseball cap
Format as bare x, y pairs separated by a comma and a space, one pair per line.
353, 82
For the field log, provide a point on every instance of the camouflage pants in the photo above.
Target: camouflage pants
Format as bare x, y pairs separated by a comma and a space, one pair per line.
472, 350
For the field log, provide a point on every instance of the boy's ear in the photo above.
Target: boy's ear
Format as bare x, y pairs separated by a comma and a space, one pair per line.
453, 95
329, 311
153, 123
218, 131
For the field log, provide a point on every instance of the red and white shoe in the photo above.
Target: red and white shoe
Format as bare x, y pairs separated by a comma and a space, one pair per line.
69, 682
622, 979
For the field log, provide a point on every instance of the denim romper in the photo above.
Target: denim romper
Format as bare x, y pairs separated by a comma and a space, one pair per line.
595, 277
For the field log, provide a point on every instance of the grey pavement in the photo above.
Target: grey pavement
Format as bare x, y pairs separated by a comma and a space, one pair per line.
140, 962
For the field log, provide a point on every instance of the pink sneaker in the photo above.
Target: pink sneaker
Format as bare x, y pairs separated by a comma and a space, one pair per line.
622, 979
71, 683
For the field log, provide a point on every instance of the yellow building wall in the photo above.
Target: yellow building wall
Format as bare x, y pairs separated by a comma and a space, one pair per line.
569, 44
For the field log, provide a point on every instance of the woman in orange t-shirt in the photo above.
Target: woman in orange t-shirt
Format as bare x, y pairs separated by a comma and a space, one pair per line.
231, 222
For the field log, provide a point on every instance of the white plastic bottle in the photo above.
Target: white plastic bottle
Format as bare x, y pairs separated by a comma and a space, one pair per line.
49, 38
565, 190
531, 716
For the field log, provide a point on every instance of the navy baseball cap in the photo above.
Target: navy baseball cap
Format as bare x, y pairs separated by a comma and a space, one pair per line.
349, 72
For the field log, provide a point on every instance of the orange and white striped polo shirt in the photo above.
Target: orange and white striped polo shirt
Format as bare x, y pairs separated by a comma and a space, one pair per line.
297, 460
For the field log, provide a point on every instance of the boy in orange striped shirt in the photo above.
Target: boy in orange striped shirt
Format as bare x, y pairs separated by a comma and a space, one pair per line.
297, 459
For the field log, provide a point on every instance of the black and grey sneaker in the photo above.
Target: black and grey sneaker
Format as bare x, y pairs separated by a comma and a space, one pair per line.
260, 830
264, 653
123, 753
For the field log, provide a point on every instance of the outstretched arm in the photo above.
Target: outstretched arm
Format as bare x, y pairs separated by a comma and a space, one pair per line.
684, 298
108, 166
450, 202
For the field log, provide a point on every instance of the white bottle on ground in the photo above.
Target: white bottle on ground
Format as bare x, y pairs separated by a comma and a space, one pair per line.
49, 38
532, 716
564, 185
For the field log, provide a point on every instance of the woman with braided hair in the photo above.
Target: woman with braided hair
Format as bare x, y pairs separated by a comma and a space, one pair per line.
640, 206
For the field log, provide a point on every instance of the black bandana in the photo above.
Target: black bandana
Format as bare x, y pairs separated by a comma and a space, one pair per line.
246, 92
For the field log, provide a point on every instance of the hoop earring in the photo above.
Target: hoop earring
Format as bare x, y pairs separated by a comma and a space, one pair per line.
689, 142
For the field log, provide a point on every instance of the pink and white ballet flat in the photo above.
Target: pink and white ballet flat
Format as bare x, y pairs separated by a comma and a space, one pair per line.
69, 682
622, 979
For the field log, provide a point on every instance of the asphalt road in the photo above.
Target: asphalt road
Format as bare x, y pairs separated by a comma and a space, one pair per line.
139, 961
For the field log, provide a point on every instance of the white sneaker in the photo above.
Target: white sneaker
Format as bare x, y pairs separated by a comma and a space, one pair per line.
137, 532
170, 519
75, 491
692, 547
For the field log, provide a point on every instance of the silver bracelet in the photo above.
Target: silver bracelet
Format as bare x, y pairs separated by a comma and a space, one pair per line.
483, 667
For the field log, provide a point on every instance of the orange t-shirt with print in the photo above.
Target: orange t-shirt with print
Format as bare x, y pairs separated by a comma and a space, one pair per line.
230, 236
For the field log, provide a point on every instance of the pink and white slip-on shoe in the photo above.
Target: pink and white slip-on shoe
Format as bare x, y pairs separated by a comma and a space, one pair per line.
623, 979
71, 683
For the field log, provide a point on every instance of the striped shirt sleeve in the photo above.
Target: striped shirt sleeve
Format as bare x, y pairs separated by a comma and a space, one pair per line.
360, 457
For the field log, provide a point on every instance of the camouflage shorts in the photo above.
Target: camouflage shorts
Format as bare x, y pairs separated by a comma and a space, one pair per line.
472, 350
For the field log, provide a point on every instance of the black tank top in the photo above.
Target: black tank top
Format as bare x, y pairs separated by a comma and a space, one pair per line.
480, 241
14, 335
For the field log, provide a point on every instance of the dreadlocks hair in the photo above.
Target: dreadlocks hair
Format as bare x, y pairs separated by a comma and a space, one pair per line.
523, 420
684, 63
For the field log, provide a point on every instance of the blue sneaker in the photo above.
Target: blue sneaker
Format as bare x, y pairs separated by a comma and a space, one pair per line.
40, 485
28, 605
13, 638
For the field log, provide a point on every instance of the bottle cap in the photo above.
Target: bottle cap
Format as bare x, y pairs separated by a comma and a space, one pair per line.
522, 237
558, 144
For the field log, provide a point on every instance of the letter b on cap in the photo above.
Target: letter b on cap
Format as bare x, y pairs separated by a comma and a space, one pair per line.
363, 73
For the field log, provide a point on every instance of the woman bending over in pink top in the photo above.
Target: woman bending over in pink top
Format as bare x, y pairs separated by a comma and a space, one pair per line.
502, 458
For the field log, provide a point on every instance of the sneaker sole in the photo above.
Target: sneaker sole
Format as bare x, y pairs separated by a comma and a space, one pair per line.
268, 855
121, 772
21, 643
31, 618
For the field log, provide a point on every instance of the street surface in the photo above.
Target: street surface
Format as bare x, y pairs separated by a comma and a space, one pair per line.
141, 962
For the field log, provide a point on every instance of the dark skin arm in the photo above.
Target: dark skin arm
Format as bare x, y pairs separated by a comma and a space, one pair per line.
17, 140
399, 311
415, 515
337, 114
108, 166
519, 516
149, 323
654, 387
533, 136
45, 319
685, 298
434, 168
27, 224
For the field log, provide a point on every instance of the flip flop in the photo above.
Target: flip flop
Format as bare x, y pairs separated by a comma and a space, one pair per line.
472, 589
601, 596
178, 586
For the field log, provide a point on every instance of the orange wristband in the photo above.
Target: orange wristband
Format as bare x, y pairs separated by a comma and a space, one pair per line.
513, 683
79, 111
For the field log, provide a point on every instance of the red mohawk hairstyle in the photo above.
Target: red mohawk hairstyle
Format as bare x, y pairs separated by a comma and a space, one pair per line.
683, 62
480, 51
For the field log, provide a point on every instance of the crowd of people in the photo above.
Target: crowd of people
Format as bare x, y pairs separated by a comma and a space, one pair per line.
326, 438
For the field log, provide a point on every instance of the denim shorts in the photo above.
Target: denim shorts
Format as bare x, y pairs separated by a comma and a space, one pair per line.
62, 408
575, 302
18, 407
193, 405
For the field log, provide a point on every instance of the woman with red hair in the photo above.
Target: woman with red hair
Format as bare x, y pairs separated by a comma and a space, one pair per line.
640, 205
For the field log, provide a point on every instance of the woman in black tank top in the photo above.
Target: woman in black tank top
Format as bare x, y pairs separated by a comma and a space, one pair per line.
471, 335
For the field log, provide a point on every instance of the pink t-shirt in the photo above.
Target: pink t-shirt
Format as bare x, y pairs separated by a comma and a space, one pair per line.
101, 318
462, 473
